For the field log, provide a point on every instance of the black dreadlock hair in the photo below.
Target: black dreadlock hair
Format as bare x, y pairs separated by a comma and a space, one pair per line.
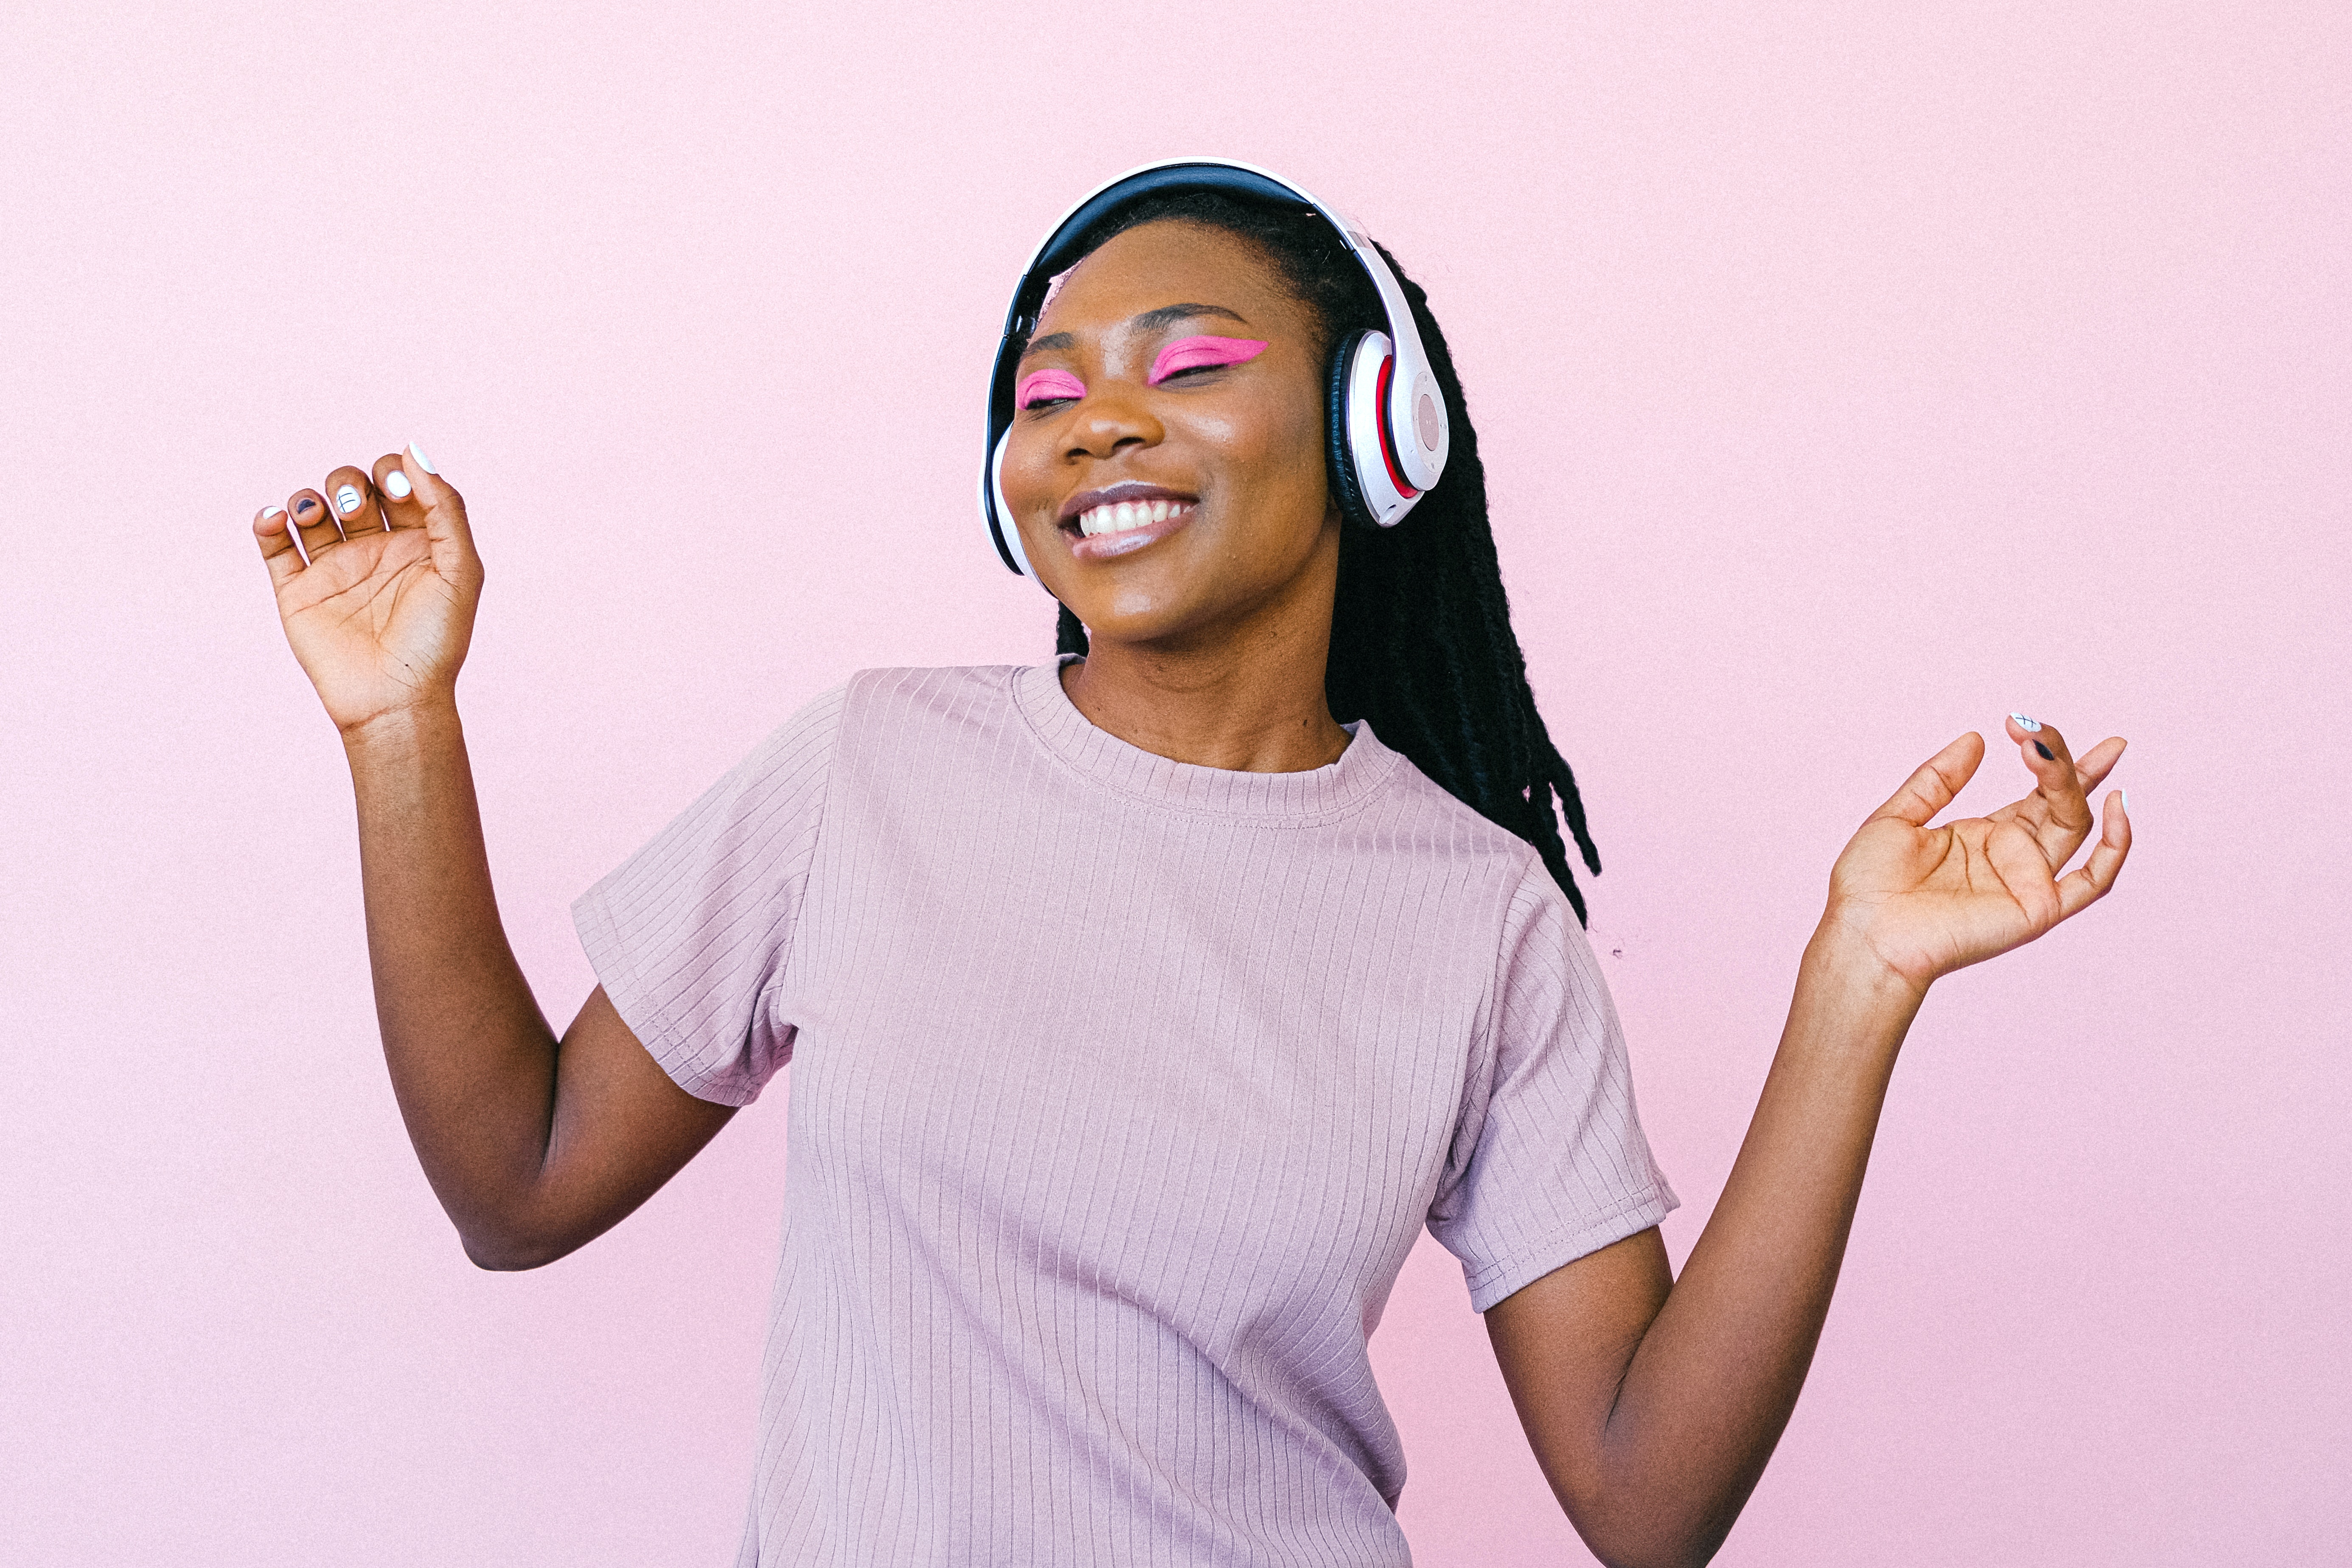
1422, 646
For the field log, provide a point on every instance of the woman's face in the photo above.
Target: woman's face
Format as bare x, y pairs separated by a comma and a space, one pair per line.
1166, 462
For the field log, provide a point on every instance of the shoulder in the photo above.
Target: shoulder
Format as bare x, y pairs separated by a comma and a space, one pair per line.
918, 688
879, 702
953, 716
1492, 883
1410, 798
884, 707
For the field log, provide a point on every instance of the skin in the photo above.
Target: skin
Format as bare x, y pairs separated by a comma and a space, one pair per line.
1210, 646
1652, 1402
534, 1145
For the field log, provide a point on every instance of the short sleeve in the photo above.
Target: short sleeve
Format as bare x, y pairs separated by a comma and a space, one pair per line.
693, 935
1548, 1161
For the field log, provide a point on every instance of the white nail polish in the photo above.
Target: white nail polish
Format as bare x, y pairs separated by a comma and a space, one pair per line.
347, 499
397, 485
2026, 724
423, 461
2126, 796
269, 512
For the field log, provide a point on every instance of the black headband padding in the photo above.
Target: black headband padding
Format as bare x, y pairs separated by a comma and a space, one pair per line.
1345, 489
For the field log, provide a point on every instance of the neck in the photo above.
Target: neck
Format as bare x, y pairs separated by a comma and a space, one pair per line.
1250, 702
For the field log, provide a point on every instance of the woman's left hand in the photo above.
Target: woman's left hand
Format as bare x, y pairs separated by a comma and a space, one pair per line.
1927, 900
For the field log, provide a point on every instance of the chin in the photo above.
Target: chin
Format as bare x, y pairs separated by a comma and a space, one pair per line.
1153, 621
1141, 601
1185, 590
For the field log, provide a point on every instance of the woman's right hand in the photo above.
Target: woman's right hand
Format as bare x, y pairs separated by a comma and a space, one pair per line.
378, 605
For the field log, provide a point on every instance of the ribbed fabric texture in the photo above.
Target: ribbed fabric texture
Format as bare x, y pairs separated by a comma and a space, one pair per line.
1121, 1090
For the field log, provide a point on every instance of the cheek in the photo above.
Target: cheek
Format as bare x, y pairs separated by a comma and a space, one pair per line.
1027, 472
1274, 448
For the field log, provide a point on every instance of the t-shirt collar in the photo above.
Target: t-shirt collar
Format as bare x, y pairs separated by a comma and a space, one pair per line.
1296, 799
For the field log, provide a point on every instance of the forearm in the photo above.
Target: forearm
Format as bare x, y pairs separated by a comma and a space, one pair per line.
533, 1145
473, 1061
1713, 1382
1653, 1403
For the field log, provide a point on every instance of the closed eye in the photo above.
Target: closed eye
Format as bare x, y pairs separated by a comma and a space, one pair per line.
1044, 386
1203, 354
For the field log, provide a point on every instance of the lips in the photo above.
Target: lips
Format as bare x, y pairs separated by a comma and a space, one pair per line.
1123, 517
1118, 517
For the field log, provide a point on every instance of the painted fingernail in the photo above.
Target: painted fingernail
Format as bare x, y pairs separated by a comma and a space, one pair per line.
305, 505
269, 512
2047, 754
2028, 725
423, 461
347, 499
397, 485
2127, 796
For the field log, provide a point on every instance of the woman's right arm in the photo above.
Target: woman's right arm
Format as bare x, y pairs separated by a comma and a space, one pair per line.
534, 1145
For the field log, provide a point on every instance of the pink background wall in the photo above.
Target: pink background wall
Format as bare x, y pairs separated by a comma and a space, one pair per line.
1849, 374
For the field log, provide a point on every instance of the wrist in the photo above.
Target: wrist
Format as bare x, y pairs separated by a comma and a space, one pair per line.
393, 731
1842, 958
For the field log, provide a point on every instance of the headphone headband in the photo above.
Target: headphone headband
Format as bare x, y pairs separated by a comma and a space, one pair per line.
1405, 416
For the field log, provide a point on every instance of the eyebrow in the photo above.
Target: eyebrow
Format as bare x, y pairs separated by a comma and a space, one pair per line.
1168, 315
1149, 321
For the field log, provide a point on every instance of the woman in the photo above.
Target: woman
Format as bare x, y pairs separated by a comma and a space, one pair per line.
1143, 1010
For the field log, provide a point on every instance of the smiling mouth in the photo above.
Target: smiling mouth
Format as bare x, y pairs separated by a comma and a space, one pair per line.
1119, 519
1124, 517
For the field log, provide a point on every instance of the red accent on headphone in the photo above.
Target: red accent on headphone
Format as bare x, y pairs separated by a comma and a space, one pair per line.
1380, 418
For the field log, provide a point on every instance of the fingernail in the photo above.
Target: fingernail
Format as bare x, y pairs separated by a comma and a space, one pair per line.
2047, 754
347, 499
2028, 725
423, 461
306, 504
269, 512
2127, 799
397, 485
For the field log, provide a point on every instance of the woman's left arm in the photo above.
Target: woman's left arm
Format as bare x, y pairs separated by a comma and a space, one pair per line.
1653, 1403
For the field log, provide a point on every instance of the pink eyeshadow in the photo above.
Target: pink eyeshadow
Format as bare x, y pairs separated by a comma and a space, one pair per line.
1044, 386
1195, 353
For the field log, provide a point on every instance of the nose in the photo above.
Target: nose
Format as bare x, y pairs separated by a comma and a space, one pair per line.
1116, 416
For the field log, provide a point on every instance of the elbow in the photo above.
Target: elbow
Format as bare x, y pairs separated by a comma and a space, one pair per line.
1671, 1556
506, 1257
1653, 1541
1654, 1554
519, 1231
510, 1250
506, 1260
513, 1227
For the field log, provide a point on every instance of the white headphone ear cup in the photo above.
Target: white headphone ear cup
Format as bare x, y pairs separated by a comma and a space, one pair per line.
999, 521
1385, 497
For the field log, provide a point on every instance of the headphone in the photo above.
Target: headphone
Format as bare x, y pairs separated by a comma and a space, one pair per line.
1384, 416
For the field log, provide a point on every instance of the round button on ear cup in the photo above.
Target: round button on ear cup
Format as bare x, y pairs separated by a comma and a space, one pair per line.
1428, 419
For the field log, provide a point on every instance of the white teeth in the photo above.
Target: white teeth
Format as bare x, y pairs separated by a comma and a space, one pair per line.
1121, 516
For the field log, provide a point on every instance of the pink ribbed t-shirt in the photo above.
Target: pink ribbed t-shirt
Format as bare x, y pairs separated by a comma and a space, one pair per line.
1120, 1090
